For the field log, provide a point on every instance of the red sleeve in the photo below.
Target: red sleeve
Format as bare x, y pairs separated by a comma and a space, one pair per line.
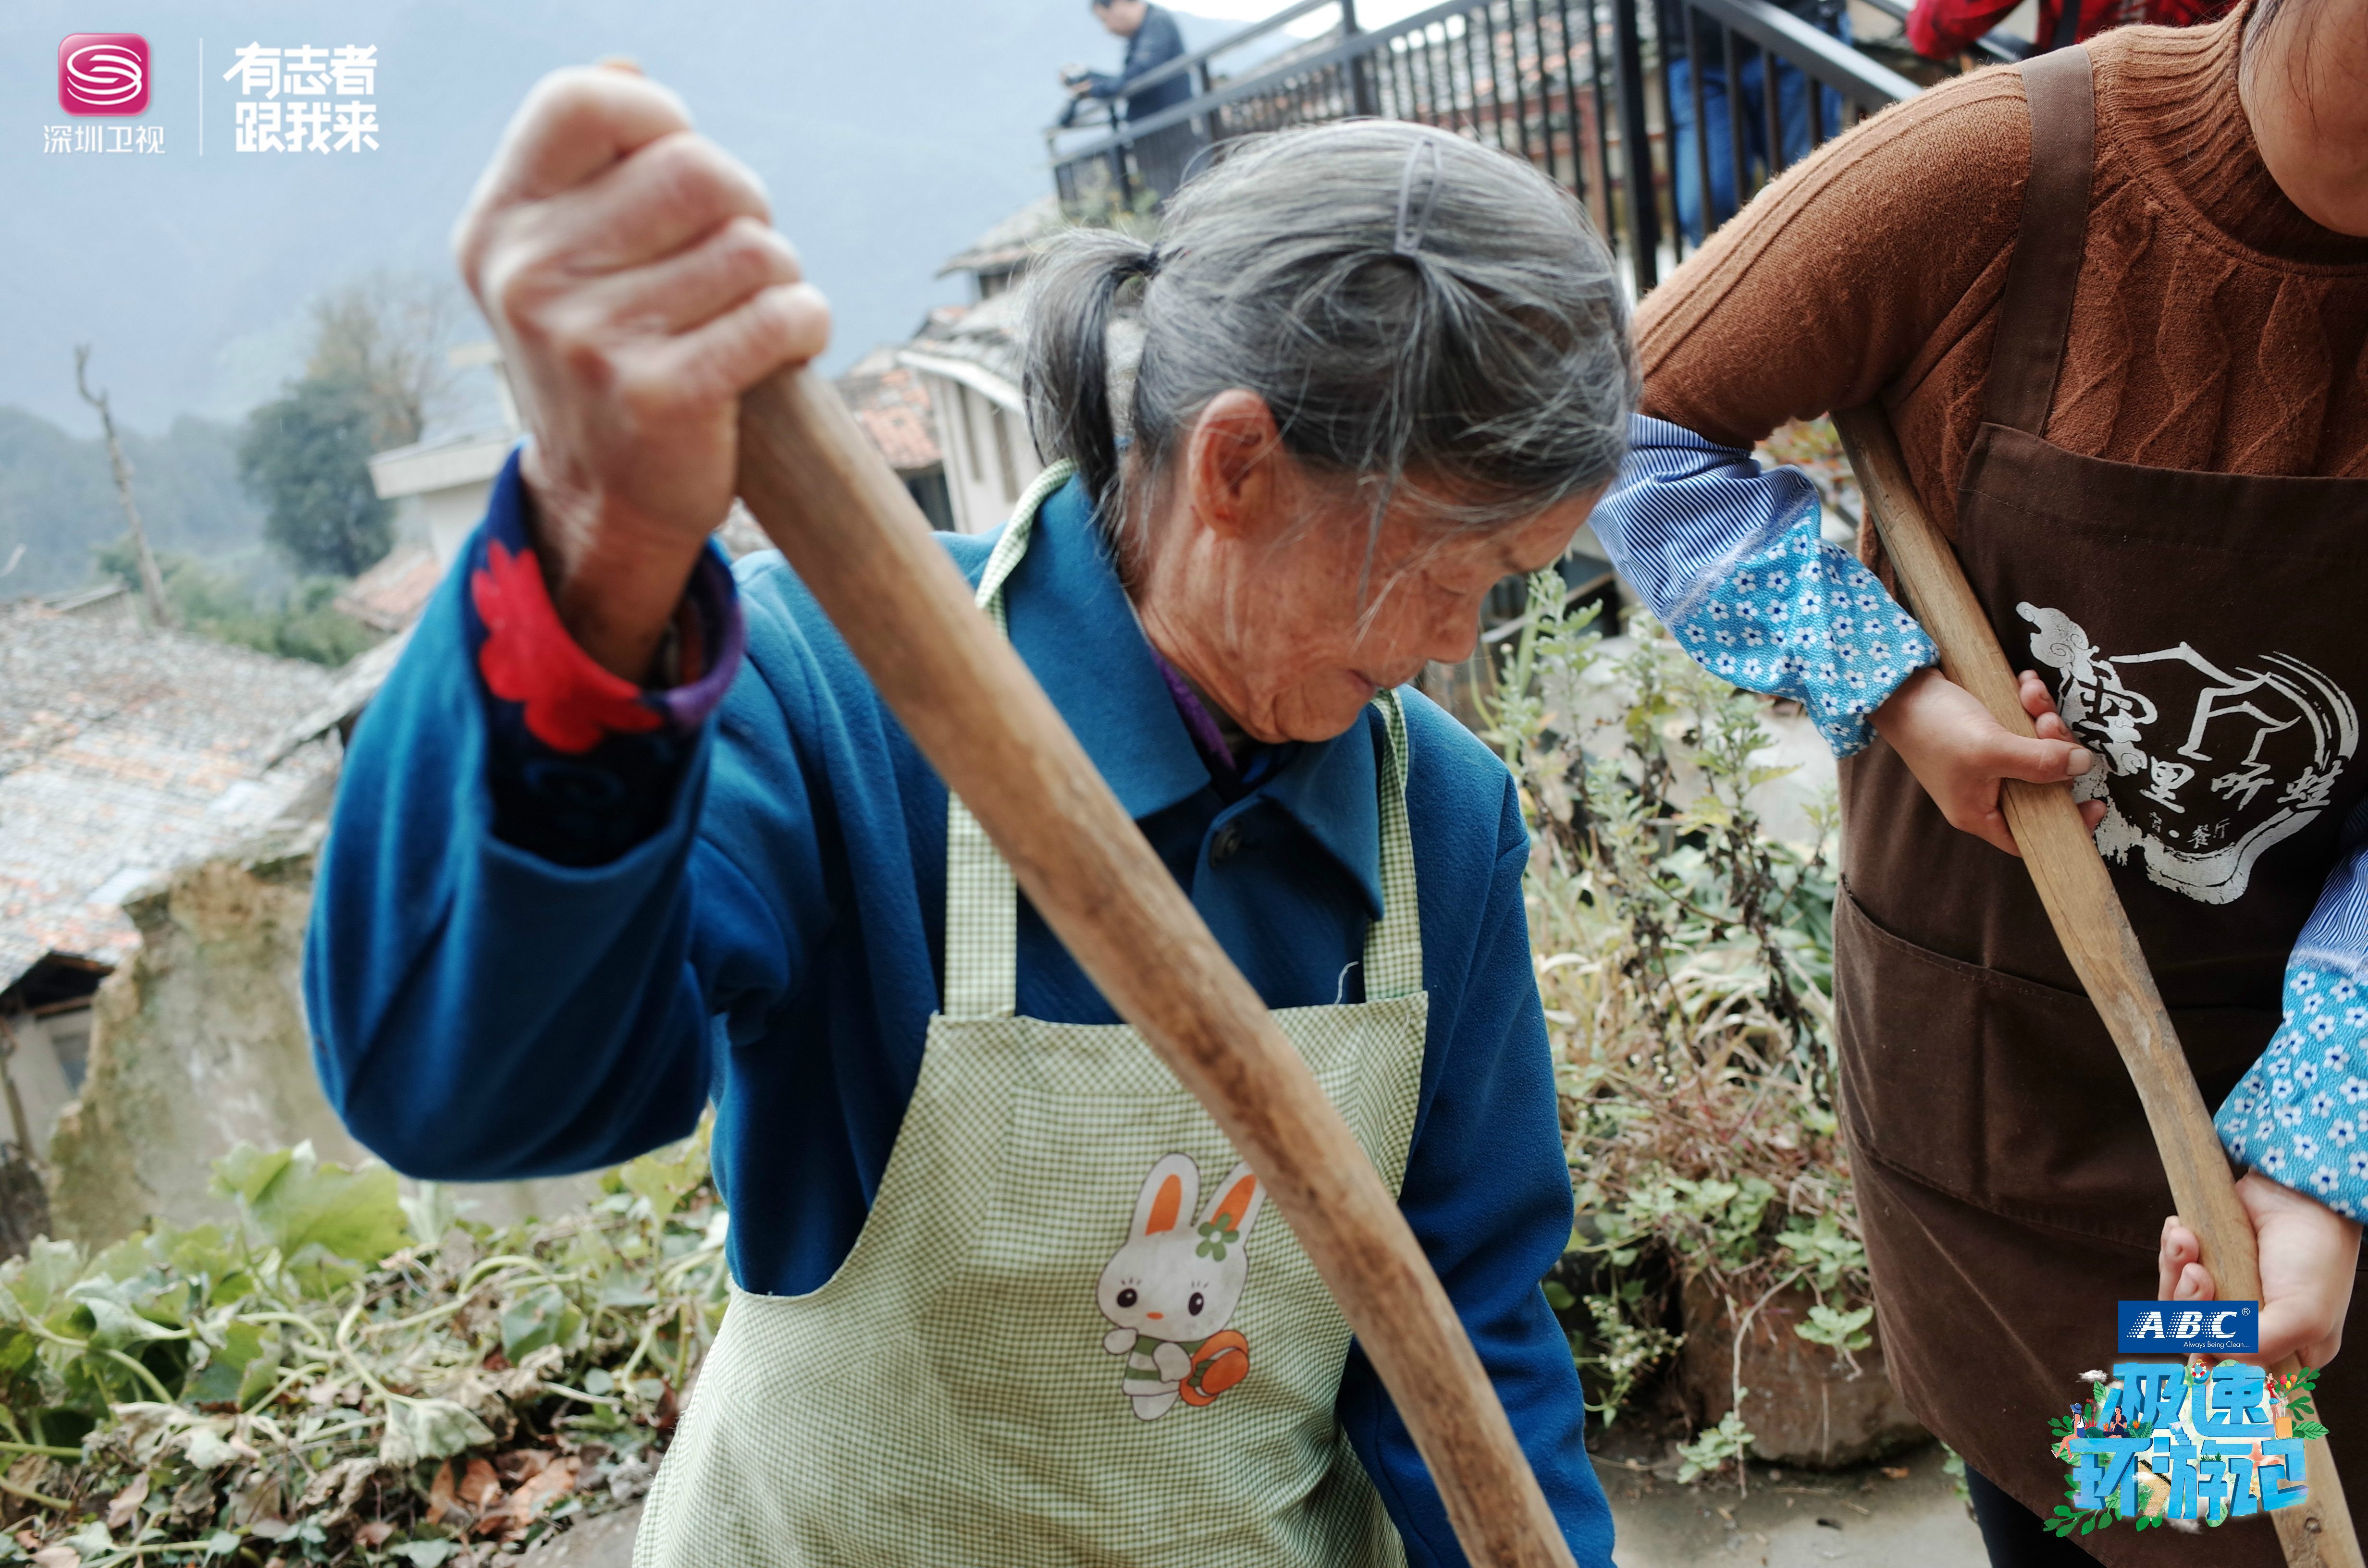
1939, 29
2167, 14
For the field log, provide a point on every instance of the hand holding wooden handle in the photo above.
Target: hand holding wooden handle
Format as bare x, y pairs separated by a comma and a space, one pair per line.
848, 526
2089, 919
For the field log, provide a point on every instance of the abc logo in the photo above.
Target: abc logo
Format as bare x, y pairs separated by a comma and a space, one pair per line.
103, 73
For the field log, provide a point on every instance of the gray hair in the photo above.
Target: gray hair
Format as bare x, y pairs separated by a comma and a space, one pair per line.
1422, 315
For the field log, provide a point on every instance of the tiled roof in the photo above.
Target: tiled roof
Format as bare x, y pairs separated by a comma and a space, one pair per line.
390, 596
893, 409
984, 336
351, 686
1006, 246
122, 755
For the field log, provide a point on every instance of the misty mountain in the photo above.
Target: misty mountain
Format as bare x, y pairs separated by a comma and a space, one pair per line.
58, 500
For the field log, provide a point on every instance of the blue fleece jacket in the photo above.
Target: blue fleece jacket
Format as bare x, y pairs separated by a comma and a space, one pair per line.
774, 942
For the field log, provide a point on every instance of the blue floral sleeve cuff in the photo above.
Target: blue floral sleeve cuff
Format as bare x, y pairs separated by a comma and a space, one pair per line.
1730, 557
2298, 1115
583, 764
1798, 617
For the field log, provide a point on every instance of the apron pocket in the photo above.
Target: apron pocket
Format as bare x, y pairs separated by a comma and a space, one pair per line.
2007, 1093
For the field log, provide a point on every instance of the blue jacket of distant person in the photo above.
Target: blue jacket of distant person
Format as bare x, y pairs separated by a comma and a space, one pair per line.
559, 915
1154, 44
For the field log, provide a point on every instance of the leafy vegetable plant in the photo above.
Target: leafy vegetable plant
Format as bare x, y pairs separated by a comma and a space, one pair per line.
344, 1375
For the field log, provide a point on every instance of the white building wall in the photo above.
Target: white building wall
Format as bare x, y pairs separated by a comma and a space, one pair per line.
983, 430
441, 490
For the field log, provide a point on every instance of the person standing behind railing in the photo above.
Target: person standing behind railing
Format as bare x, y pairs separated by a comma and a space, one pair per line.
1939, 29
1151, 41
1792, 105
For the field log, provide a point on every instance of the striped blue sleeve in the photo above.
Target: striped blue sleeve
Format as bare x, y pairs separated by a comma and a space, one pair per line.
1731, 559
2300, 1115
2336, 938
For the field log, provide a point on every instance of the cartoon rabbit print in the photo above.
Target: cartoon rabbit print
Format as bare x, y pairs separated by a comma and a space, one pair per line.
1173, 1287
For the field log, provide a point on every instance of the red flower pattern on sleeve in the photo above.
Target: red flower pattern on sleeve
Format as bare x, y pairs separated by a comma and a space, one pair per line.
572, 704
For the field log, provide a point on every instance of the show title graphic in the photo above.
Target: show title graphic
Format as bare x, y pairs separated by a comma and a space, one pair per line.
305, 98
2165, 1441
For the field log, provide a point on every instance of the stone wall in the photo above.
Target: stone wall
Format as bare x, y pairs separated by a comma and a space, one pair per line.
1805, 1407
200, 1045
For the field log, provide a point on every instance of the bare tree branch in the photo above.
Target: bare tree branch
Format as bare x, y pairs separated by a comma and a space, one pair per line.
387, 334
152, 582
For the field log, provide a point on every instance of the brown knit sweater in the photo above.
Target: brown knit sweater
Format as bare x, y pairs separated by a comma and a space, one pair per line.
2217, 327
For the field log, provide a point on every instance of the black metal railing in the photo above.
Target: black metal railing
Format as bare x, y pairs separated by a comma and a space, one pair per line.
1582, 89
1201, 65
1121, 166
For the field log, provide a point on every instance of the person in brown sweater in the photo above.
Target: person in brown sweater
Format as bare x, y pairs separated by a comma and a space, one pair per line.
2115, 302
2218, 326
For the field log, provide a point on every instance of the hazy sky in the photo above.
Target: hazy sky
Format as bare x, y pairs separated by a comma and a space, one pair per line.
889, 135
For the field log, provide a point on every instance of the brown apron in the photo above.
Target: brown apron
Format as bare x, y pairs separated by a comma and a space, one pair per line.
2202, 632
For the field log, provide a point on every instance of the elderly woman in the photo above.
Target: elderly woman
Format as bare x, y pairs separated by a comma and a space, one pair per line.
2117, 303
626, 835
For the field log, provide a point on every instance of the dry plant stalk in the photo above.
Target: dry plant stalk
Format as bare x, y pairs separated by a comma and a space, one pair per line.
1684, 960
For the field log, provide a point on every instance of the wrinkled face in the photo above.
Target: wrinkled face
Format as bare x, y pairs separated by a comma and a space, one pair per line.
1257, 586
1161, 1286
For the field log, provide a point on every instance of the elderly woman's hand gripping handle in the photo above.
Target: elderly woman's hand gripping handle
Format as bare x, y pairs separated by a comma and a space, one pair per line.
2052, 834
627, 266
630, 269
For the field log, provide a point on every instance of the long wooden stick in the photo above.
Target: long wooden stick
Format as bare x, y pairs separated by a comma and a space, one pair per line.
2087, 916
863, 548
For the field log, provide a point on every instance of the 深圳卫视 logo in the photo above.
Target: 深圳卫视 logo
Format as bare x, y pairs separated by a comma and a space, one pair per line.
103, 73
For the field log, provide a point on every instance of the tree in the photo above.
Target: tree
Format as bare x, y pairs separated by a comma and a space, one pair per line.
386, 336
376, 376
299, 622
306, 456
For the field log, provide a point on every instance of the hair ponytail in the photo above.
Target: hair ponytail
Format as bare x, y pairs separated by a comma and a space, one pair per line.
1073, 301
1426, 318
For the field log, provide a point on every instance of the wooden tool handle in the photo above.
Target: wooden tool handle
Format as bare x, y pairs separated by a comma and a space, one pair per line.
863, 547
2077, 891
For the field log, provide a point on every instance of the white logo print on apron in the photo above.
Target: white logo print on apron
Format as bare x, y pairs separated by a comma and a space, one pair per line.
1049, 1344
2208, 767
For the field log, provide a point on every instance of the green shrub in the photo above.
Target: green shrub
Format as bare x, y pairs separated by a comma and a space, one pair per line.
1685, 960
299, 622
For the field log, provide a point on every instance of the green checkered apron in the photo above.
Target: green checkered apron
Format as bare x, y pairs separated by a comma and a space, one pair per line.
1072, 1330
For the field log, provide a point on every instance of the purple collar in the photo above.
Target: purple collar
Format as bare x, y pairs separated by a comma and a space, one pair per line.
1207, 738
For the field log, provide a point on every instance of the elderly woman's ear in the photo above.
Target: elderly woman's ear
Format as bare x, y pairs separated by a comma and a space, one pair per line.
1236, 469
